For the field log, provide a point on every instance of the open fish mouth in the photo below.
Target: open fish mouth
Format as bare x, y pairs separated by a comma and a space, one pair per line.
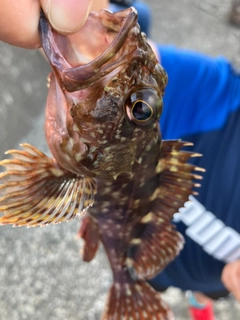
88, 55
101, 77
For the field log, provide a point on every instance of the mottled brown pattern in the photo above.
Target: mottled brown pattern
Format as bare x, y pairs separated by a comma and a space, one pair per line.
102, 127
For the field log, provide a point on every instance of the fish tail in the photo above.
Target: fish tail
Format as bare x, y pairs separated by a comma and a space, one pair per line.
136, 301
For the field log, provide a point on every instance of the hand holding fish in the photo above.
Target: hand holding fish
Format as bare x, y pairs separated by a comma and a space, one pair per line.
231, 278
19, 19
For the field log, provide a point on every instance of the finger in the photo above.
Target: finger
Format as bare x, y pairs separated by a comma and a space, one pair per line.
19, 23
236, 282
231, 278
66, 16
227, 277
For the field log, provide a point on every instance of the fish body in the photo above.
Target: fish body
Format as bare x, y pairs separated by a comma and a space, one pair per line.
109, 161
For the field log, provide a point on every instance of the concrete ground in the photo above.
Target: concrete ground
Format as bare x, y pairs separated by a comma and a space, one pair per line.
41, 273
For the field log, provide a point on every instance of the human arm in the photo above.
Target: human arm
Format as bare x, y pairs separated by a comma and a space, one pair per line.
19, 19
231, 278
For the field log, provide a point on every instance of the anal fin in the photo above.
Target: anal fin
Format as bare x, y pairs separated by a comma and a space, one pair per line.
35, 191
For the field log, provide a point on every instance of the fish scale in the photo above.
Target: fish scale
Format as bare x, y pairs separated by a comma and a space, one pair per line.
109, 161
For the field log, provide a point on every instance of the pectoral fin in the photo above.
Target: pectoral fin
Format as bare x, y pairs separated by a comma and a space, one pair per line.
35, 191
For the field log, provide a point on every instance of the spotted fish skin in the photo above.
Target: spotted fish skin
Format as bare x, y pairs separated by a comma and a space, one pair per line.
102, 127
134, 227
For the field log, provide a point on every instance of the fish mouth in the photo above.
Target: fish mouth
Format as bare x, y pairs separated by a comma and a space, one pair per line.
81, 59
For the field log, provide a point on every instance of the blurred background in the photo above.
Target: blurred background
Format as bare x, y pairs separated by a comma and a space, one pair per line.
41, 272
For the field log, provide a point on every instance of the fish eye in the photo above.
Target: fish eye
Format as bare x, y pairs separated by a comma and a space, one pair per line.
141, 111
143, 106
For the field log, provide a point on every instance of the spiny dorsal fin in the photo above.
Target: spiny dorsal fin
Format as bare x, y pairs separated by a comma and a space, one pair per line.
176, 178
35, 191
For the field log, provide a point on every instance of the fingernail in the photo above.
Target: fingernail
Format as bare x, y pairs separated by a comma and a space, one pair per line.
68, 15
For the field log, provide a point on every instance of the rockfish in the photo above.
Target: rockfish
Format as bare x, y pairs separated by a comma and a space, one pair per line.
109, 161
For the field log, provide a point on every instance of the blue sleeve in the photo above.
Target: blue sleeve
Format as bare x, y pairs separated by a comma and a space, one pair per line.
143, 9
202, 105
200, 94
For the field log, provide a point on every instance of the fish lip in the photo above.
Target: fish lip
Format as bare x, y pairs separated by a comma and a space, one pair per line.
79, 77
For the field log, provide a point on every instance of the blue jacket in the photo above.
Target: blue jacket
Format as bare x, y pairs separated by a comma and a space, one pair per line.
202, 105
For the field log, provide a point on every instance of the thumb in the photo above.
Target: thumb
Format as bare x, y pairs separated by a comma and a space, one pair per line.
66, 16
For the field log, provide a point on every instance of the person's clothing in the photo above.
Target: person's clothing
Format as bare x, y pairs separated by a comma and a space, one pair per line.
124, 3
144, 12
202, 105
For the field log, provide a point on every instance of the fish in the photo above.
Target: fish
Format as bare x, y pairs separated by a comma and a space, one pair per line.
109, 164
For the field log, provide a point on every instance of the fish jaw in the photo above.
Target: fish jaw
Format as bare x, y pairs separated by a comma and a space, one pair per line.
77, 59
63, 141
97, 88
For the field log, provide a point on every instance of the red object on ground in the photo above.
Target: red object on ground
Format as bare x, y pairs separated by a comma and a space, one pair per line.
205, 313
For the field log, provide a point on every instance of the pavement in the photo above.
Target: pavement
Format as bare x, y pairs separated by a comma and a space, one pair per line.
41, 272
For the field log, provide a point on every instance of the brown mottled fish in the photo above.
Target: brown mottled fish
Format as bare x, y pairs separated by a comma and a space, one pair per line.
102, 127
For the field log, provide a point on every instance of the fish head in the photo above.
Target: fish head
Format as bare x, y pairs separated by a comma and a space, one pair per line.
105, 95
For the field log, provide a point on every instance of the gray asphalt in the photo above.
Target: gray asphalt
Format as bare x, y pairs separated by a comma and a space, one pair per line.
41, 272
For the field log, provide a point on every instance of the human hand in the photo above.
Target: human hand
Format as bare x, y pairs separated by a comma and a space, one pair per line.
231, 278
19, 19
